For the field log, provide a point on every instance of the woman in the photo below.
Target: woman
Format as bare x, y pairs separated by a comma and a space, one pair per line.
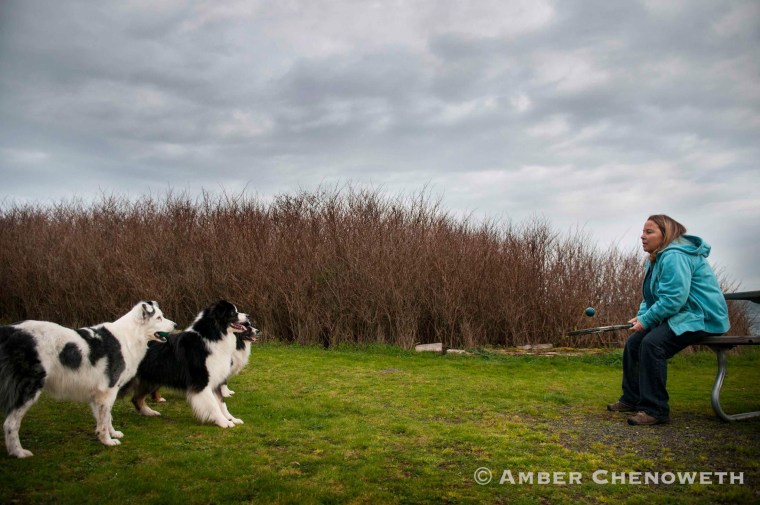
683, 302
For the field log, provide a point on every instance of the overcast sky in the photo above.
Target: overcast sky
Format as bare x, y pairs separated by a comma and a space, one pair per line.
592, 114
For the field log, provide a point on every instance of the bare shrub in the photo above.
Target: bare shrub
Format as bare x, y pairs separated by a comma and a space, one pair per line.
332, 266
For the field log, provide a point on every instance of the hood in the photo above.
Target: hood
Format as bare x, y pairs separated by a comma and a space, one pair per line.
689, 244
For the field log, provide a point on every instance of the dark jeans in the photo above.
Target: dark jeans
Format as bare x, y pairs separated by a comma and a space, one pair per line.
645, 367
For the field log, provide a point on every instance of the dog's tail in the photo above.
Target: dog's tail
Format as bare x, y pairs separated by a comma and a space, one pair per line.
22, 375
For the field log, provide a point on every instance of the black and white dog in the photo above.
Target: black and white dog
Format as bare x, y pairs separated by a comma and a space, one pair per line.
197, 361
241, 355
87, 365
240, 358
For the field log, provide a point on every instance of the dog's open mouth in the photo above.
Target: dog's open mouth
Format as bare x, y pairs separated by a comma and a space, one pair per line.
237, 327
161, 336
250, 334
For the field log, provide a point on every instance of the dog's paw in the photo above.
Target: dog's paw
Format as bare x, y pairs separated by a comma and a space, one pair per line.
111, 442
236, 420
225, 423
162, 400
149, 412
117, 434
22, 453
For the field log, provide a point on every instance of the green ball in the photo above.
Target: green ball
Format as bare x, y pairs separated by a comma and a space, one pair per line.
590, 312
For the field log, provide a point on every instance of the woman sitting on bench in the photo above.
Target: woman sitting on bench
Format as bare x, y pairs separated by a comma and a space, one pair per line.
683, 303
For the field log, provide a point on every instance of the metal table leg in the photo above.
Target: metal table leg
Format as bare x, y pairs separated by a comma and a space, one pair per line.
715, 396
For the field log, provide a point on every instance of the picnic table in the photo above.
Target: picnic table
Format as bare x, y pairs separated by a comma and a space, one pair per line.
721, 345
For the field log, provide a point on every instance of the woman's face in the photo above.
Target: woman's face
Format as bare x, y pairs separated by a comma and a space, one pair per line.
651, 236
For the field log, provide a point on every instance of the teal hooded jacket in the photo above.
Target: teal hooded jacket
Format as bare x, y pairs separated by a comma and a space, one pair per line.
684, 290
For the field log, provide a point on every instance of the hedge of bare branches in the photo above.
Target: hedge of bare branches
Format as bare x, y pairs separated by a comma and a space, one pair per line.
325, 267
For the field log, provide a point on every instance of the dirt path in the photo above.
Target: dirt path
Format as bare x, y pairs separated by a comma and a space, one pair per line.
689, 443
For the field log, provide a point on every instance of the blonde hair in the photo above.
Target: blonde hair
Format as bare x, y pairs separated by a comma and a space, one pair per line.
670, 228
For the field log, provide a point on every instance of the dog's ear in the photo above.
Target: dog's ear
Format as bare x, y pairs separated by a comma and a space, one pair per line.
148, 310
223, 308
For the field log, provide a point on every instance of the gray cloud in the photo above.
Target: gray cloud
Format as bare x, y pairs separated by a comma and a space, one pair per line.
593, 114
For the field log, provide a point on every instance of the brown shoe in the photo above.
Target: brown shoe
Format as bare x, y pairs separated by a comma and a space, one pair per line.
644, 419
620, 407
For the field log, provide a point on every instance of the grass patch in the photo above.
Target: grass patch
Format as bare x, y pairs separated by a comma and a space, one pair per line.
382, 425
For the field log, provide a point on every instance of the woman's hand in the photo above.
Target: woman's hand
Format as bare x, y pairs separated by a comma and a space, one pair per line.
637, 326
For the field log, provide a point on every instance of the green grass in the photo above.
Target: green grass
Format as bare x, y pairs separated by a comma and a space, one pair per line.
381, 425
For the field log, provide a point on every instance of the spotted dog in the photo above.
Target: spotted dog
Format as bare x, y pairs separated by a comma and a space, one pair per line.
84, 365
